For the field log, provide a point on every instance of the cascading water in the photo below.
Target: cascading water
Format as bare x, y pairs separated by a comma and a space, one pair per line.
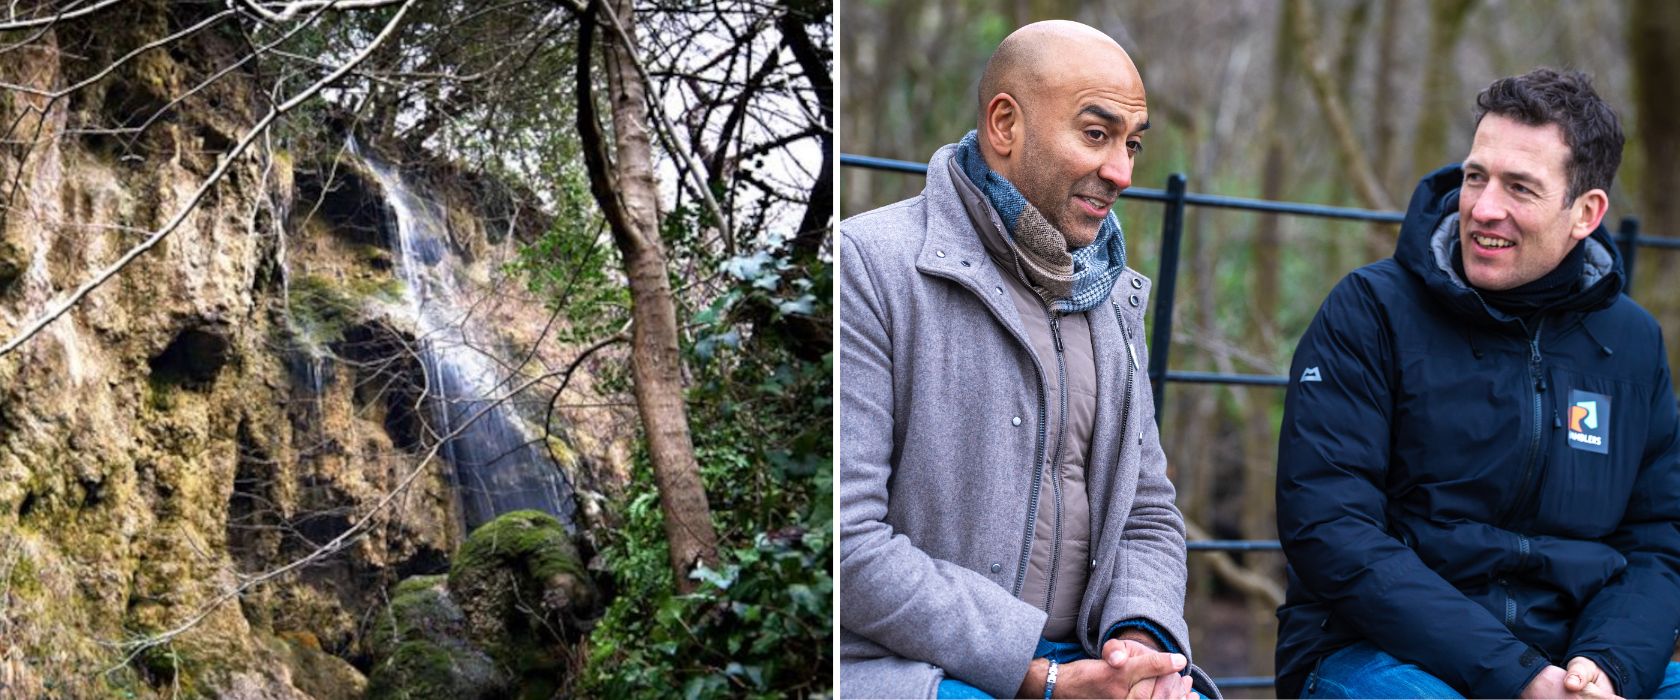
497, 468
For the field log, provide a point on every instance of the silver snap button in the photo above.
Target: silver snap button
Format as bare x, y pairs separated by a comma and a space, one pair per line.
1016, 420
1000, 289
1134, 300
939, 253
996, 567
965, 263
1137, 283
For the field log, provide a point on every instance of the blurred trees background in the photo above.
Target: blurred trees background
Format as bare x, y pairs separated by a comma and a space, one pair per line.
1336, 102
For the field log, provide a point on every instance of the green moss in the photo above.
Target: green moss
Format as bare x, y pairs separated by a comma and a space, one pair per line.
159, 393
320, 308
421, 670
25, 579
418, 584
530, 540
562, 451
12, 264
420, 610
521, 586
415, 670
384, 288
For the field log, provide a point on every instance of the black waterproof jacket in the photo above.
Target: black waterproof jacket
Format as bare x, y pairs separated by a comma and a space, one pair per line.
1474, 495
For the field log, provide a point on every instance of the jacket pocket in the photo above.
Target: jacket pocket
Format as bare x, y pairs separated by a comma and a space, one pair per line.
1596, 443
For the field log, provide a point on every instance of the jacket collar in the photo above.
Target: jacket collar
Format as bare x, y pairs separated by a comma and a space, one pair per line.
951, 248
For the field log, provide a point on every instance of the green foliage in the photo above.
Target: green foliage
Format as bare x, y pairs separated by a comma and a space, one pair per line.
759, 624
572, 263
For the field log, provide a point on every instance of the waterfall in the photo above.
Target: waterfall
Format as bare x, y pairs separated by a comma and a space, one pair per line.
497, 467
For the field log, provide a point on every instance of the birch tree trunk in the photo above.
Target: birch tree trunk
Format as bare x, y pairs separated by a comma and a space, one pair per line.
628, 194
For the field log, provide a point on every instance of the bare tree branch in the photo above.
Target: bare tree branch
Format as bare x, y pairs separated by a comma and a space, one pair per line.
291, 9
47, 21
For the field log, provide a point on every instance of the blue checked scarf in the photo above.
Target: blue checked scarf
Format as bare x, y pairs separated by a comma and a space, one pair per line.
1069, 281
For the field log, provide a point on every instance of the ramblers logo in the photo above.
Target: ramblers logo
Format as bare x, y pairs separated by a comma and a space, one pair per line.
1589, 421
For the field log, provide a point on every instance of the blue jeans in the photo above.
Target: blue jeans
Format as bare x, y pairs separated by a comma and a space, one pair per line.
1060, 652
1364, 671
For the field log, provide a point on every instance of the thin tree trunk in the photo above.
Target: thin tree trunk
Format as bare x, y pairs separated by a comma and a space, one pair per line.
1389, 168
1654, 39
819, 212
1443, 108
1259, 441
1367, 183
628, 194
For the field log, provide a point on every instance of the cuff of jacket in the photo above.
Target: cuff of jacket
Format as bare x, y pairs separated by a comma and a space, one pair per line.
1529, 666
1157, 633
1610, 665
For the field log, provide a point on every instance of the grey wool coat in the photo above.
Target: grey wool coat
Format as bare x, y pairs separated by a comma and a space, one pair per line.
941, 425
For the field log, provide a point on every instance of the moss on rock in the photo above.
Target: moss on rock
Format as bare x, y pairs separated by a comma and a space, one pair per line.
523, 591
420, 609
420, 648
421, 670
321, 309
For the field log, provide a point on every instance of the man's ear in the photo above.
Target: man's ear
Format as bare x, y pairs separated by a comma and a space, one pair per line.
1588, 211
1001, 126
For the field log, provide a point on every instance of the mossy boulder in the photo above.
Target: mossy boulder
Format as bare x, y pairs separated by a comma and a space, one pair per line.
421, 670
420, 648
524, 593
420, 609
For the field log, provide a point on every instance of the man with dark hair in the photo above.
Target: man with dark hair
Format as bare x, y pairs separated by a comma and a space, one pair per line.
1478, 490
1006, 523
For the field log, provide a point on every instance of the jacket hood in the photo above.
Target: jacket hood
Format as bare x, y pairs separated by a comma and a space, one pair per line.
1428, 240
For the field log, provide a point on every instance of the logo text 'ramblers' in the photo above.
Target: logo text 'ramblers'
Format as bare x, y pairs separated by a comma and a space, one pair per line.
1589, 421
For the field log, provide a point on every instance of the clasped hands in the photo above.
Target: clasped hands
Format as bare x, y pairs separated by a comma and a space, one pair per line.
1582, 679
1126, 669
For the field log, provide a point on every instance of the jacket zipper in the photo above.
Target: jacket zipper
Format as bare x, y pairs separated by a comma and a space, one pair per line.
1037, 479
1038, 449
1055, 465
1532, 458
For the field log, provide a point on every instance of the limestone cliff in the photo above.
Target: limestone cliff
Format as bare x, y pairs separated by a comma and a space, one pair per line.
229, 402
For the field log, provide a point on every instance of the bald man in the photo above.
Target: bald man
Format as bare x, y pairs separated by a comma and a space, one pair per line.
1007, 526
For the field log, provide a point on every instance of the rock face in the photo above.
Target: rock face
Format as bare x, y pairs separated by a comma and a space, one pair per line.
177, 449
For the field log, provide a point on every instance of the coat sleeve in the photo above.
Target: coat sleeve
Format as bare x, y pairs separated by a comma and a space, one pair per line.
1333, 454
1629, 627
891, 592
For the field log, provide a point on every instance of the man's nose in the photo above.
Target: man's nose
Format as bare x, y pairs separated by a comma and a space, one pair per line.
1117, 170
1489, 205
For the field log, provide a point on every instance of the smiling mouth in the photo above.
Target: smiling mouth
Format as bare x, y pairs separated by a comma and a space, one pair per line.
1491, 242
1094, 203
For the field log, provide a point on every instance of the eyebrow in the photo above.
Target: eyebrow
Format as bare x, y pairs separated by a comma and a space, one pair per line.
1516, 175
1102, 114
1109, 117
